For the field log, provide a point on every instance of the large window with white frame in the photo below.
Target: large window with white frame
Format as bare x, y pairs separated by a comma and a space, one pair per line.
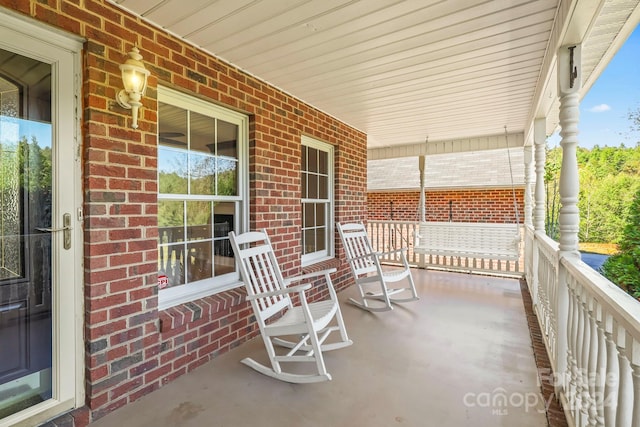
202, 195
317, 200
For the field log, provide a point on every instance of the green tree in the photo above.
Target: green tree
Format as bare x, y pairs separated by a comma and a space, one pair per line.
227, 185
609, 177
587, 201
551, 184
605, 206
623, 268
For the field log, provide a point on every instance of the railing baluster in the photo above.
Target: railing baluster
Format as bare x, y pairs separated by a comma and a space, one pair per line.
572, 327
541, 297
579, 360
592, 364
542, 274
553, 284
625, 390
612, 379
635, 373
586, 336
601, 366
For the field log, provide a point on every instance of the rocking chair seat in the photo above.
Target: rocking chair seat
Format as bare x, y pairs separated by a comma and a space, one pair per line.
389, 276
292, 322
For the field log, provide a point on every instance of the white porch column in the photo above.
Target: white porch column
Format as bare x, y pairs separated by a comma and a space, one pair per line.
421, 163
529, 179
539, 139
423, 212
539, 202
569, 77
530, 253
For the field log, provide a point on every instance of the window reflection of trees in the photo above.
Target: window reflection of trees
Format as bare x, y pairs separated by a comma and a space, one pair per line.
25, 203
206, 174
189, 169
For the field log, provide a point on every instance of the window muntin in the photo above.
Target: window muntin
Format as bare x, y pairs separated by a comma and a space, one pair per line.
317, 200
201, 155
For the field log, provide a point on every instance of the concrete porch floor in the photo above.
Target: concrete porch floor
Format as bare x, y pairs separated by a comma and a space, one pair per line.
461, 356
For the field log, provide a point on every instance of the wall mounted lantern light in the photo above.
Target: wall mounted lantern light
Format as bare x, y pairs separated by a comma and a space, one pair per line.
134, 78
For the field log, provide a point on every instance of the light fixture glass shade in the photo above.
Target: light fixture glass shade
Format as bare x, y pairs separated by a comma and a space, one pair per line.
134, 79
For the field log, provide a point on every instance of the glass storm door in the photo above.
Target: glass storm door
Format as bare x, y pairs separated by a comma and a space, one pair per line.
36, 229
25, 245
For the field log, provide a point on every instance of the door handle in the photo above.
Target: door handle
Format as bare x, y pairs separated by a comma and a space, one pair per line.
66, 229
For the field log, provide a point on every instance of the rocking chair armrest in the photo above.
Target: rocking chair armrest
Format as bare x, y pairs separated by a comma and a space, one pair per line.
365, 256
376, 254
313, 274
291, 290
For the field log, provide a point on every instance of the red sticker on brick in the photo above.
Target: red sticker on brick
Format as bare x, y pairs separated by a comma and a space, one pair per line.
163, 281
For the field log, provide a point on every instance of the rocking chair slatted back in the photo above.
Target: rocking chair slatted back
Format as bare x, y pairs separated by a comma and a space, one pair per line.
371, 279
359, 251
260, 269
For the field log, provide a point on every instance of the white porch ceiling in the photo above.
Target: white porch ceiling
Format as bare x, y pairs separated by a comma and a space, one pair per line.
399, 70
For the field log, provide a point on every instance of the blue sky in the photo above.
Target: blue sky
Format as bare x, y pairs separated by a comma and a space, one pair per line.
605, 108
12, 129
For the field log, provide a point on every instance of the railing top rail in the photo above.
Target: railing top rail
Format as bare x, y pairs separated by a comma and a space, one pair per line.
547, 240
509, 225
389, 221
549, 246
613, 299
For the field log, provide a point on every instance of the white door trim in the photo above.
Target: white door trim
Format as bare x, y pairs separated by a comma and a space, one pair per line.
29, 38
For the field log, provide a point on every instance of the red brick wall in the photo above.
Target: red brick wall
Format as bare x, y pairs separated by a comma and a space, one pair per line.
495, 205
132, 348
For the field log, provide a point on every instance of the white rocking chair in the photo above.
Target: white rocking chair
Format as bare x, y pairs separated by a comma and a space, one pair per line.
371, 279
270, 296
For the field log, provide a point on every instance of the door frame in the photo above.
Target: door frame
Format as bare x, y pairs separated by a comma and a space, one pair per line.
62, 50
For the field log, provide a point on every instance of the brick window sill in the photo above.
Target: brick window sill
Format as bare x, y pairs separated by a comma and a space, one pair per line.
323, 265
180, 315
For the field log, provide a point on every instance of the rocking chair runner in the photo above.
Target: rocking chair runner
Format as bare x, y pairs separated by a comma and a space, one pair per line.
371, 279
270, 296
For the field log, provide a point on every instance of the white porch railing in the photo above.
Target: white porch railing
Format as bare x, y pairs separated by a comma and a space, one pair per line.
591, 330
591, 327
389, 235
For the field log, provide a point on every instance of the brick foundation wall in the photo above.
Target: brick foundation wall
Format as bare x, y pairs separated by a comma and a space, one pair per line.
484, 205
132, 347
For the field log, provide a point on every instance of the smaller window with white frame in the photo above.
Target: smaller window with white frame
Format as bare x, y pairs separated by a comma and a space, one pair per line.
317, 200
201, 196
